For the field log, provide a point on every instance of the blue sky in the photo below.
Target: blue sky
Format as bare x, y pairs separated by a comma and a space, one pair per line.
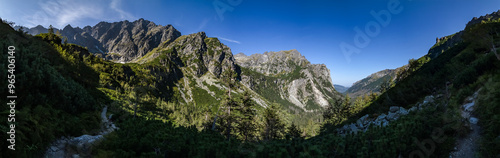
315, 28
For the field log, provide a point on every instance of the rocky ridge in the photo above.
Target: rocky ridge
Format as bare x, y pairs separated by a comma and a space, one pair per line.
363, 123
122, 41
371, 83
444, 43
302, 84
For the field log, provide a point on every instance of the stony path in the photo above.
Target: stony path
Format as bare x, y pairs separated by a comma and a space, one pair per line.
468, 146
83, 144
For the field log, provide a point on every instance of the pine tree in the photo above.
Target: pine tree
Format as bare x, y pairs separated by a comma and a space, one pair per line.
229, 77
51, 29
274, 127
246, 124
294, 131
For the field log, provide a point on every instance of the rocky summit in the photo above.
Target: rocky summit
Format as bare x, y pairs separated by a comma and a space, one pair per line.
122, 41
290, 76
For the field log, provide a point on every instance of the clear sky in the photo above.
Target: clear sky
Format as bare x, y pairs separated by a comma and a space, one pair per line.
315, 28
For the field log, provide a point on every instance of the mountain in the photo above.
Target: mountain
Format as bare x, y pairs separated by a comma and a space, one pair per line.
34, 30
371, 83
340, 88
288, 78
173, 101
122, 41
447, 42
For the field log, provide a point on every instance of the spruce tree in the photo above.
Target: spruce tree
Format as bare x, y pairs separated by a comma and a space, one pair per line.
274, 127
246, 124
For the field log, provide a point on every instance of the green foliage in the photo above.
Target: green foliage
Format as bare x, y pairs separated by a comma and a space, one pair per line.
53, 99
487, 110
274, 127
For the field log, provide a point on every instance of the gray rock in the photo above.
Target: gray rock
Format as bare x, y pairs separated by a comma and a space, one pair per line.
364, 118
469, 106
393, 108
359, 123
428, 99
379, 119
473, 120
313, 83
403, 111
53, 148
413, 108
353, 129
392, 116
385, 123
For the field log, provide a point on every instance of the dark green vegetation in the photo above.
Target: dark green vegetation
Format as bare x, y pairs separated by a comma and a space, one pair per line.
56, 101
63, 88
455, 74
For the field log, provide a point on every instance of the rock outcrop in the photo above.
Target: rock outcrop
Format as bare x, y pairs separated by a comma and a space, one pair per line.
394, 113
290, 77
122, 41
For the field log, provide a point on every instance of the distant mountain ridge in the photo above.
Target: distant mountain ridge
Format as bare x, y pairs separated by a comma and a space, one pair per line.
340, 88
371, 83
122, 41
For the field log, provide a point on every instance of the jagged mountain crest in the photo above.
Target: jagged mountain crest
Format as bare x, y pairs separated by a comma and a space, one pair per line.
122, 41
289, 78
198, 53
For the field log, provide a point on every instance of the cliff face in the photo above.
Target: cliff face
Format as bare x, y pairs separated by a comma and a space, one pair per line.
126, 41
122, 41
288, 78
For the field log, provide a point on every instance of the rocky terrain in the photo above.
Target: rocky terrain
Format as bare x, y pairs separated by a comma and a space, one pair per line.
294, 79
363, 124
122, 41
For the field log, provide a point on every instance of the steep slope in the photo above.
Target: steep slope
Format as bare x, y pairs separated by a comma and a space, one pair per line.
371, 83
340, 88
448, 83
288, 78
447, 42
198, 63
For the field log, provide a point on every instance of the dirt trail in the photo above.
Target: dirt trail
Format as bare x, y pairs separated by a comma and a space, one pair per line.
468, 146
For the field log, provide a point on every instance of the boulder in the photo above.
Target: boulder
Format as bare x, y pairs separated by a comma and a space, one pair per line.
428, 99
393, 108
392, 116
469, 106
385, 123
413, 108
353, 128
403, 111
473, 120
359, 123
